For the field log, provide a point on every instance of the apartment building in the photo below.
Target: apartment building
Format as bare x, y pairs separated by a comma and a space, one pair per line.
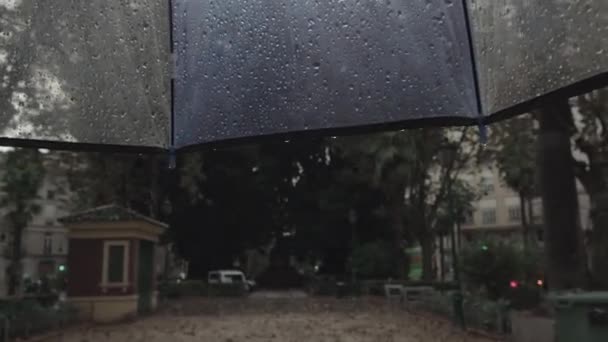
497, 213
496, 216
44, 242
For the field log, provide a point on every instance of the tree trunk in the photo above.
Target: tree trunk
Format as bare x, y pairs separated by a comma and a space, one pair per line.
441, 258
397, 222
14, 280
599, 241
530, 211
524, 222
594, 182
563, 243
426, 243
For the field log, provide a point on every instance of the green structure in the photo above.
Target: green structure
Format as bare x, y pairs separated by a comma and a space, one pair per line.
581, 317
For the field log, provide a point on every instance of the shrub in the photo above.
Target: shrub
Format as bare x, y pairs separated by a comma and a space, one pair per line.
526, 296
28, 316
193, 288
374, 260
492, 267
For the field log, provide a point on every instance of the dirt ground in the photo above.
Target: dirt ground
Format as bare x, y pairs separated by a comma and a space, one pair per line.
292, 320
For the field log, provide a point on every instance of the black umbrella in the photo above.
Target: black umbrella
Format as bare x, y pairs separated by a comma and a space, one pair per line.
100, 73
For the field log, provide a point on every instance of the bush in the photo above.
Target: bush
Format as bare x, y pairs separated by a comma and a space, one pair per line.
280, 278
492, 267
331, 286
374, 260
194, 288
323, 286
28, 316
526, 296
374, 287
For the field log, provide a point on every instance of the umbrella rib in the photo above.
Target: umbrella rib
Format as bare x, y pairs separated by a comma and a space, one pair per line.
172, 73
469, 28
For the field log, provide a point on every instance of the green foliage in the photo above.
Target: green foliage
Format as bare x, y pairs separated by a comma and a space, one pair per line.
374, 260
592, 132
514, 153
458, 204
23, 175
28, 316
491, 267
514, 150
416, 172
139, 182
328, 192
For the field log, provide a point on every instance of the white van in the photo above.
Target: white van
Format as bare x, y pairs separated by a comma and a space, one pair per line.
230, 277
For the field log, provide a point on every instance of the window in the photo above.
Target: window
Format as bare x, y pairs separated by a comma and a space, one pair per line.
236, 278
50, 194
488, 216
514, 214
47, 244
537, 217
115, 263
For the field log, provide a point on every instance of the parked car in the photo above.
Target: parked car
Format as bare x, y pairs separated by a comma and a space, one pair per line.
230, 277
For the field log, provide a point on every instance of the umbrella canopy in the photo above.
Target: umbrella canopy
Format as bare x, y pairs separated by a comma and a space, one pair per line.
171, 74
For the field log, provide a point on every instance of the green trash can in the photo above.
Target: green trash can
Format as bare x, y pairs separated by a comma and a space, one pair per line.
581, 316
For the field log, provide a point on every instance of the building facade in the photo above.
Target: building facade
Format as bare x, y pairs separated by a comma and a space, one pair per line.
44, 241
496, 217
497, 213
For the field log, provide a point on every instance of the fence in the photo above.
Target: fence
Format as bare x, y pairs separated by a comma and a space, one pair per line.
479, 313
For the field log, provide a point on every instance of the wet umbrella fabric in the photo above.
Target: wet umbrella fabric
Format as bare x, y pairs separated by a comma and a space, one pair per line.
100, 74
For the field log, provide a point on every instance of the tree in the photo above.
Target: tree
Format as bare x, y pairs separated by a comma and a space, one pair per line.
23, 175
139, 182
227, 202
591, 140
515, 154
415, 171
563, 247
374, 260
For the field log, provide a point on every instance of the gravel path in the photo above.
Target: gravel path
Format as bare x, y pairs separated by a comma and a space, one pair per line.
281, 321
